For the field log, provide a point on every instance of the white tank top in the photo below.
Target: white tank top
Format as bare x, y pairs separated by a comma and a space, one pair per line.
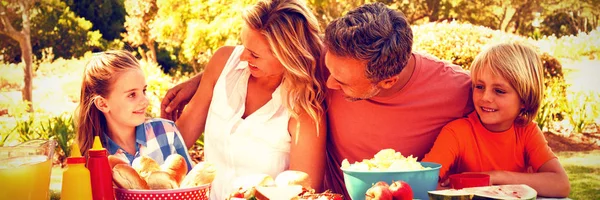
260, 143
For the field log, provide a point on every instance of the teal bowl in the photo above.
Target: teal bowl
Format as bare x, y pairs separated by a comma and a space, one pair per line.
421, 181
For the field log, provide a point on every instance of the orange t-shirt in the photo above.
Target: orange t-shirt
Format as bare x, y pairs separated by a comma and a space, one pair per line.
465, 145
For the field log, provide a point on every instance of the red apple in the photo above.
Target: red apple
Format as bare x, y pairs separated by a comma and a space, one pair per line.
382, 183
401, 190
378, 192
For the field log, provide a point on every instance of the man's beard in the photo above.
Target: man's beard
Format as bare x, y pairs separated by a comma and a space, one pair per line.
373, 92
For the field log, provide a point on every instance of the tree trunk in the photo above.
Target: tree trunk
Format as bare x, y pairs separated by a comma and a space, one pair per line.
152, 52
26, 55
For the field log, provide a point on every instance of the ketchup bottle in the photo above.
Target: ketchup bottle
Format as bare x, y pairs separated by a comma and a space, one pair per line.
100, 172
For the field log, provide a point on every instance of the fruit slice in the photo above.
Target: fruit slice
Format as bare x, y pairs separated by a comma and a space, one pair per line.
487, 192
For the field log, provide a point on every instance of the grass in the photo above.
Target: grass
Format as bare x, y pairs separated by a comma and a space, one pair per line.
583, 169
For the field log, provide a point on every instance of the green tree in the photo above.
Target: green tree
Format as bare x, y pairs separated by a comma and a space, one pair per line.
9, 12
57, 31
140, 14
107, 16
569, 17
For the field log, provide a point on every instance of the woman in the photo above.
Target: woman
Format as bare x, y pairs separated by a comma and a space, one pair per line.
260, 104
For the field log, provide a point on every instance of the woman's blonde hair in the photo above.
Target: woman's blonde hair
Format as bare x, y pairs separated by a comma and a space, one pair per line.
293, 35
100, 73
522, 67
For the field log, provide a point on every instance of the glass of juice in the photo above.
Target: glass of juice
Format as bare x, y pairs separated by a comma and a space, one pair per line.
25, 170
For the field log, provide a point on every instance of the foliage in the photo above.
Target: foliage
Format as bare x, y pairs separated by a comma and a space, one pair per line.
107, 16
555, 104
583, 109
158, 83
192, 29
573, 46
55, 27
457, 42
11, 77
62, 129
570, 17
140, 14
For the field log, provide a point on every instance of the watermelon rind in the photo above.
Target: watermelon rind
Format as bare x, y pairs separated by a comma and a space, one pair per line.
498, 192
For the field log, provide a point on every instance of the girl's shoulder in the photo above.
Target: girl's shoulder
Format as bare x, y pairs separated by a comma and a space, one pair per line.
160, 123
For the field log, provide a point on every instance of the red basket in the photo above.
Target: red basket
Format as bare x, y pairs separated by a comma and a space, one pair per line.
194, 193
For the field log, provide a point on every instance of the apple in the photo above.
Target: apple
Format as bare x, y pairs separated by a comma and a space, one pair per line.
378, 192
382, 183
401, 190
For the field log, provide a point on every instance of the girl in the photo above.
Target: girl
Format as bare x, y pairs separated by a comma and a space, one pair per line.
113, 105
500, 138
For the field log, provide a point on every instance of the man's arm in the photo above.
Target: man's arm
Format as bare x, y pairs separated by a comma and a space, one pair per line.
178, 97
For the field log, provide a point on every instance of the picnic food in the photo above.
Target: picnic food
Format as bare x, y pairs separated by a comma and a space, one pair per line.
175, 166
202, 173
486, 192
293, 177
401, 190
145, 165
288, 184
385, 160
163, 177
126, 177
379, 192
114, 160
160, 180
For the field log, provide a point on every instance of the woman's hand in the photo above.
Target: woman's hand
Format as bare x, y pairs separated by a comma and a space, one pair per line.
178, 97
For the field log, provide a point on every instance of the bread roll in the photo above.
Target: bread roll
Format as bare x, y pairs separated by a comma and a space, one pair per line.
114, 160
252, 180
293, 177
126, 177
145, 165
202, 173
175, 166
159, 180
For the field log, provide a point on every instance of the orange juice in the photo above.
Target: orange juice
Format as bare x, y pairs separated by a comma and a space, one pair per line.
26, 177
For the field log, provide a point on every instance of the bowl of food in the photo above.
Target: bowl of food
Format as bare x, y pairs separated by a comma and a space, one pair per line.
145, 179
389, 166
193, 193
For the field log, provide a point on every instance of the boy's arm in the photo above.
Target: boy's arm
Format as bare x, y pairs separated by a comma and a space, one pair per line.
550, 180
445, 151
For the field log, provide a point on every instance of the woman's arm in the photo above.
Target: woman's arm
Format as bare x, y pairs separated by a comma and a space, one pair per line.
307, 151
550, 180
193, 119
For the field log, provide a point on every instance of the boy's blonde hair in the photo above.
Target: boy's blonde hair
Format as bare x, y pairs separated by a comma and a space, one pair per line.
98, 77
522, 67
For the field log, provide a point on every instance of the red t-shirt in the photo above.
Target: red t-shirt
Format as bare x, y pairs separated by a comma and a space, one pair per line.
409, 121
465, 145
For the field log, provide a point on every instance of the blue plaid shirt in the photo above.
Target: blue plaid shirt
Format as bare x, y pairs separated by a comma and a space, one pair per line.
156, 138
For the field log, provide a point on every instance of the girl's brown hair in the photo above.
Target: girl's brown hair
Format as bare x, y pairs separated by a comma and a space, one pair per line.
100, 73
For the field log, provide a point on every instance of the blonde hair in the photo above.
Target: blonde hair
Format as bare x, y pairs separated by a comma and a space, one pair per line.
100, 73
292, 32
522, 67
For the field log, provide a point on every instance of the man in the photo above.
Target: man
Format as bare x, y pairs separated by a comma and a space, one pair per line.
382, 95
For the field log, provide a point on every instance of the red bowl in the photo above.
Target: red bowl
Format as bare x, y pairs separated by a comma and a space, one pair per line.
460, 181
194, 193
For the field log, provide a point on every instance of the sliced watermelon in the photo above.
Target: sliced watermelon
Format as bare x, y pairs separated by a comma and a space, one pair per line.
487, 192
